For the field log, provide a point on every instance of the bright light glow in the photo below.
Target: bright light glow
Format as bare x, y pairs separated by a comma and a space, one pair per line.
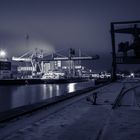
132, 75
71, 87
2, 53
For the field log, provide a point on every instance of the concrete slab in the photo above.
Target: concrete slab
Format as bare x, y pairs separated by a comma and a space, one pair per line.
76, 119
123, 125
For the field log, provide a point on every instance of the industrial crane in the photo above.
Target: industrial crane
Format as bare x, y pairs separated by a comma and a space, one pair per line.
32, 57
37, 58
135, 45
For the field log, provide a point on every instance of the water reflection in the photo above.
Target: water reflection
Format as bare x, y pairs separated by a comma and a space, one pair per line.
57, 90
15, 96
50, 91
71, 87
44, 91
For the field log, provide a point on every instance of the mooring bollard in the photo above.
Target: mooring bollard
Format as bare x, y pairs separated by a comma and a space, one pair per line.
93, 98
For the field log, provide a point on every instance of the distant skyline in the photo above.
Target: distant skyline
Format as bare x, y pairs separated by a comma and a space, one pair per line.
63, 24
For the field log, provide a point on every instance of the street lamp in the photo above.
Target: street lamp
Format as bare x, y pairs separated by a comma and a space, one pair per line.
2, 54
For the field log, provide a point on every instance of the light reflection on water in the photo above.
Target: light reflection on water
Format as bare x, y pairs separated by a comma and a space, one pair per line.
15, 96
71, 87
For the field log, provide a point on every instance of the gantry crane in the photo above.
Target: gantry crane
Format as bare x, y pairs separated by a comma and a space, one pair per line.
129, 27
33, 57
37, 58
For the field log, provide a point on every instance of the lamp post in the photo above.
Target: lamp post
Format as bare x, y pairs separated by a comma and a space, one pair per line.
2, 54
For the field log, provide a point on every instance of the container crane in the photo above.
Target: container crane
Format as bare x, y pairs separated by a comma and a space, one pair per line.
37, 59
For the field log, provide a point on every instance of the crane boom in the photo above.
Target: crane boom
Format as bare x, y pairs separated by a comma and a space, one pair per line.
21, 59
72, 58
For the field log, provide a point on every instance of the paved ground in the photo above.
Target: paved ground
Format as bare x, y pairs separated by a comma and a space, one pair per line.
79, 119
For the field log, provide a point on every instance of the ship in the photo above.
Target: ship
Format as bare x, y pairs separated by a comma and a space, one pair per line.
35, 68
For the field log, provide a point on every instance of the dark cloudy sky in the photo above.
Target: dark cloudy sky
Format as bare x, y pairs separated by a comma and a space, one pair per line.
61, 24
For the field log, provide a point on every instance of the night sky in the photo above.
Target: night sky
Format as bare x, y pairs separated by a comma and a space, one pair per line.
60, 24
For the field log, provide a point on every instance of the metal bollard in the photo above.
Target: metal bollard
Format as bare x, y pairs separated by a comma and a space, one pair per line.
93, 98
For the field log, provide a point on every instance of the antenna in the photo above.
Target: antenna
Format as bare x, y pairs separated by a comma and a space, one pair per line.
27, 40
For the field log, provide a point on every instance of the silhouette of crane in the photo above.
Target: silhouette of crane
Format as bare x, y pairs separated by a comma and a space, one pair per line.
124, 47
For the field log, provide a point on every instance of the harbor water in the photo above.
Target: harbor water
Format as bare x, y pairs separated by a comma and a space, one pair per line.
19, 95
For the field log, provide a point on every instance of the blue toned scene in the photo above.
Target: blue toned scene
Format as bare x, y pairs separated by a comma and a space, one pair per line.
69, 70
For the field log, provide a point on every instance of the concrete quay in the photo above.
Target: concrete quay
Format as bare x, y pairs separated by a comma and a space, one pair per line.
79, 119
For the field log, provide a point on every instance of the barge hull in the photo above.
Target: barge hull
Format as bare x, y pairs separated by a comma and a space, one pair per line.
40, 81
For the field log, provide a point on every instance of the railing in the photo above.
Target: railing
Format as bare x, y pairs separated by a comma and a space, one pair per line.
121, 95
